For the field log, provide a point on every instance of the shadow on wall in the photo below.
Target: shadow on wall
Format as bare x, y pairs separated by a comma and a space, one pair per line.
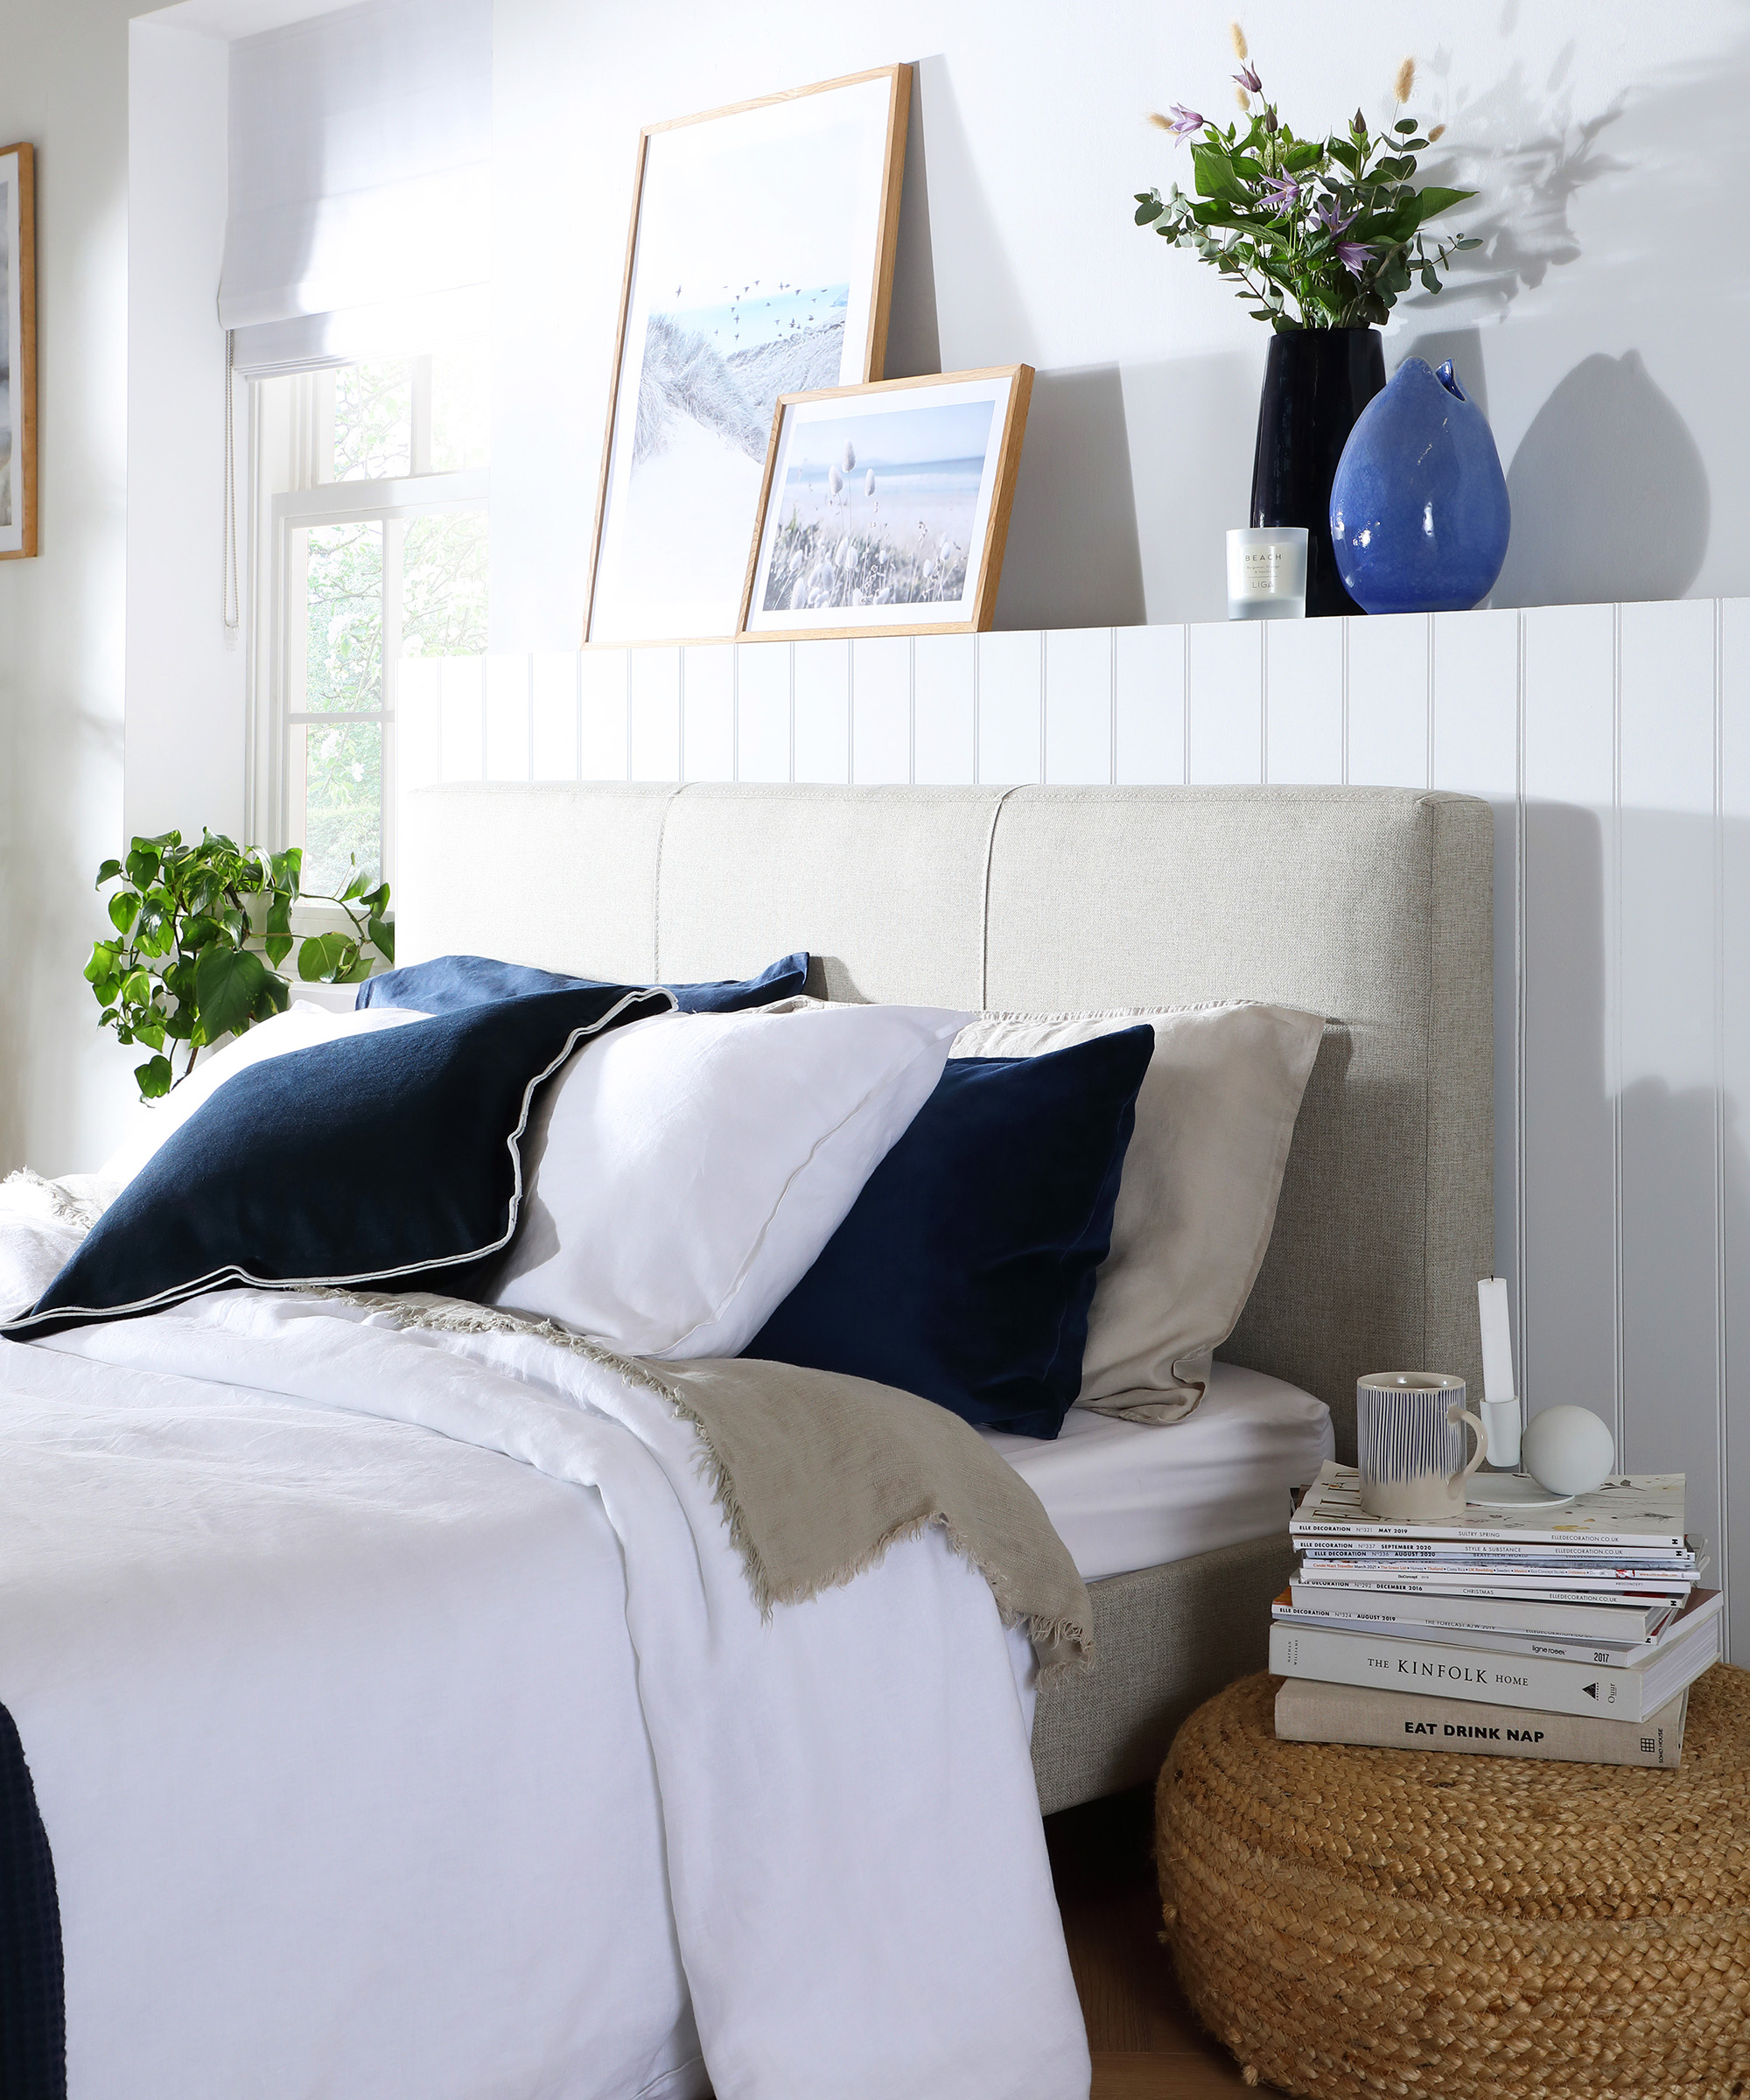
1074, 558
1650, 1184
914, 336
1609, 492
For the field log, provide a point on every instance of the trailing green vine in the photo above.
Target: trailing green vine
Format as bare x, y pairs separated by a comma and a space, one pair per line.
200, 931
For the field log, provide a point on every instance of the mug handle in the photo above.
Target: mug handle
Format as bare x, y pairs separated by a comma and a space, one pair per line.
1463, 1414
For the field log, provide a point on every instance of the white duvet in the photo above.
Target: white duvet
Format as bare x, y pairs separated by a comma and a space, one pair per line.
402, 1725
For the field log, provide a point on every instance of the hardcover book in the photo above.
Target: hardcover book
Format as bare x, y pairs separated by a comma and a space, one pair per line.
1310, 1712
1630, 1692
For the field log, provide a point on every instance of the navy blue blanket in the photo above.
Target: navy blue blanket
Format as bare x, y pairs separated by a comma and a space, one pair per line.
33, 2005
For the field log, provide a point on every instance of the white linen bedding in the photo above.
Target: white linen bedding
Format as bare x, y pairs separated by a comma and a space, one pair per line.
1131, 1495
374, 1762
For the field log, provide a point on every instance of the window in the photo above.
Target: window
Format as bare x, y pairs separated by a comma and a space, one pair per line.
371, 538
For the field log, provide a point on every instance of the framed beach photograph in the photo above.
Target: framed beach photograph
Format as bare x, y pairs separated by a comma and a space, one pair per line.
760, 263
18, 352
885, 509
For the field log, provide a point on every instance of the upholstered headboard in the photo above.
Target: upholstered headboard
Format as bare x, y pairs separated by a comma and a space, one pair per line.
1371, 906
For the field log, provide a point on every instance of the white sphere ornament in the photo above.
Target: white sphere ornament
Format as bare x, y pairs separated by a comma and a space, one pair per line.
1568, 1450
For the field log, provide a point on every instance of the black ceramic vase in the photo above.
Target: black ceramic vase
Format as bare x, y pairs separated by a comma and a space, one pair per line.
1316, 383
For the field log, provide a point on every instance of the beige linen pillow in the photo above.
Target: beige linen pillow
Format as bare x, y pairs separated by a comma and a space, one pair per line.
1201, 1177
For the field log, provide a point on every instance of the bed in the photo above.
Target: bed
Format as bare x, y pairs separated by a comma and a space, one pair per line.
1371, 906
518, 1855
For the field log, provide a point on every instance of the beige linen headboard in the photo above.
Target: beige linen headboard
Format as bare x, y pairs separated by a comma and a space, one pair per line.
1371, 906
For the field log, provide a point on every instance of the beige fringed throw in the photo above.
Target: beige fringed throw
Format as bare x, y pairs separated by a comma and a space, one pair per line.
817, 1474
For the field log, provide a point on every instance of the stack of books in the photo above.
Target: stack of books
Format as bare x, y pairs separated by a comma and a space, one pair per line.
1574, 1632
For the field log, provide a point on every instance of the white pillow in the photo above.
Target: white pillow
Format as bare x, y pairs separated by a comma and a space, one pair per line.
684, 1172
300, 1028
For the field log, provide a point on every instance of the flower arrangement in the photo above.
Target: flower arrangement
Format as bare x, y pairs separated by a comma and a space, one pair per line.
1320, 233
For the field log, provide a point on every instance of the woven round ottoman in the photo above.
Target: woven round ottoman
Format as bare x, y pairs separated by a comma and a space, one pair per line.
1356, 1922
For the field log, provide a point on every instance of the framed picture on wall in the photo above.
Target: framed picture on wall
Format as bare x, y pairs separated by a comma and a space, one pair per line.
885, 509
18, 353
760, 263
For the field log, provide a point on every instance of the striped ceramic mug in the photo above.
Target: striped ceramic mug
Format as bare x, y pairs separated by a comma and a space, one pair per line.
1410, 1444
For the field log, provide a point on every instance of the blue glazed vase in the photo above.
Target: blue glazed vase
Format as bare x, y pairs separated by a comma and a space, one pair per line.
1419, 516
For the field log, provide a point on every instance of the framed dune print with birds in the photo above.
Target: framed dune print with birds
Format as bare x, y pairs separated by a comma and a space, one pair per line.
760, 264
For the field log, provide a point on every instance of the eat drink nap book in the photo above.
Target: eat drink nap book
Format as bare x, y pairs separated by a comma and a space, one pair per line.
1629, 1693
1641, 1509
1309, 1713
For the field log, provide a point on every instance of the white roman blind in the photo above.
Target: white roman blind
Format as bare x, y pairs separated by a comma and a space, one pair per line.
360, 146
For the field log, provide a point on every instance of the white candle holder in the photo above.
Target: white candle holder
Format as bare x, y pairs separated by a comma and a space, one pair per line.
1267, 572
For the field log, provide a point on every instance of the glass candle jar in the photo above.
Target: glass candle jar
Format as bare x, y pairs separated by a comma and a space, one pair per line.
1267, 572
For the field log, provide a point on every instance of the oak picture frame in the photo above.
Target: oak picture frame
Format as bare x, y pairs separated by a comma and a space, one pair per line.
19, 351
871, 365
1003, 458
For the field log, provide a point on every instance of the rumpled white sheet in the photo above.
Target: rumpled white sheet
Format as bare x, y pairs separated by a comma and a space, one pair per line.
355, 1784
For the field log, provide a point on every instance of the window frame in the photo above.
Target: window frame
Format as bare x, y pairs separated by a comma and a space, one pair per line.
291, 444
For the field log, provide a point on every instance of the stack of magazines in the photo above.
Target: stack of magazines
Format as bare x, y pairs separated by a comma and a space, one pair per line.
1570, 1632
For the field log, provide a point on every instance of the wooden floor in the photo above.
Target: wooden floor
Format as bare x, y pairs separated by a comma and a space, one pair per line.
1146, 2042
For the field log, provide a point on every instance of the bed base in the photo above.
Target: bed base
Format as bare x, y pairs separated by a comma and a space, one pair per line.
1166, 1638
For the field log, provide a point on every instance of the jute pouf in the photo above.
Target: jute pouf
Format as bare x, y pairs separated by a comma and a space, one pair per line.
1368, 1921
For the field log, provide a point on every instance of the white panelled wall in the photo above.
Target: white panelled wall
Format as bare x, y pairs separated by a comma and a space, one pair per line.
1614, 744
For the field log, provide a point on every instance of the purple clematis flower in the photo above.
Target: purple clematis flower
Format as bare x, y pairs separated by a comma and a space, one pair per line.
1184, 121
1354, 255
1249, 80
1331, 218
1281, 190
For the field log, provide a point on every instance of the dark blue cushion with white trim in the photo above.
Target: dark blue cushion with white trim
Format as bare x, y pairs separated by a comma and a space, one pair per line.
448, 982
965, 1269
389, 1159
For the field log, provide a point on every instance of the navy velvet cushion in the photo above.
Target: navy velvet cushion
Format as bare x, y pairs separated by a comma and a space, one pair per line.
389, 1158
450, 981
965, 1269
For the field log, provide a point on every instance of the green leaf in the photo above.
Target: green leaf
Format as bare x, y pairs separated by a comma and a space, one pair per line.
108, 872
103, 957
155, 1077
1432, 200
1149, 210
143, 864
356, 886
382, 932
107, 990
276, 997
136, 988
227, 984
1216, 176
197, 932
325, 958
1406, 124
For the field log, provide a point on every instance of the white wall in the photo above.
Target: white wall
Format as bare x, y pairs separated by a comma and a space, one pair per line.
63, 85
186, 675
1614, 742
1603, 139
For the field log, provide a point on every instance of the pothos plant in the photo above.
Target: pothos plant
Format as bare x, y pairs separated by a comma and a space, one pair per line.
1320, 233
200, 931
